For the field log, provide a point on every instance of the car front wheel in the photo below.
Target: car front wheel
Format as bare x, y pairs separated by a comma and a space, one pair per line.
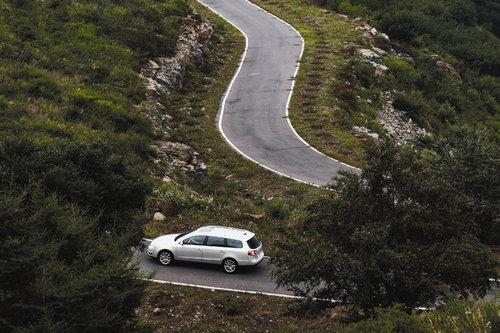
165, 257
230, 266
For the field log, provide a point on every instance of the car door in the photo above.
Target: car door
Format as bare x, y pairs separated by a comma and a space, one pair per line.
190, 248
214, 251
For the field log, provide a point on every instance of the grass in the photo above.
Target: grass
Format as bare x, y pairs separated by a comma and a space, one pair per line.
233, 191
317, 112
185, 309
171, 308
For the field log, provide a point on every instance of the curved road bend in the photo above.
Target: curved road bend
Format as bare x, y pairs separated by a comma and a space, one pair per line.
253, 117
254, 122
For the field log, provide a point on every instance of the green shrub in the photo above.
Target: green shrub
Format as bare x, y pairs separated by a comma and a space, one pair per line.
465, 316
349, 8
403, 72
74, 154
64, 264
277, 209
99, 112
233, 306
460, 315
413, 104
390, 320
364, 72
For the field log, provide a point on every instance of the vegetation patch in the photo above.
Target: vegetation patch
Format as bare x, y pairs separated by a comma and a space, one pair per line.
170, 308
74, 158
322, 106
232, 191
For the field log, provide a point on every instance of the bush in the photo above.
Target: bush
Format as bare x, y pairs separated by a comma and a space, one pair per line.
403, 72
64, 265
99, 112
74, 154
397, 234
413, 104
88, 174
233, 306
391, 320
277, 209
462, 33
364, 72
460, 315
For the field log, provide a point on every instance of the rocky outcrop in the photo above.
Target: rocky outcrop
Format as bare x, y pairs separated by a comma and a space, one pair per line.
178, 155
374, 58
447, 68
163, 75
363, 131
402, 131
370, 32
400, 128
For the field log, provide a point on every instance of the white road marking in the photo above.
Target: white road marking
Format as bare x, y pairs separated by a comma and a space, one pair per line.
226, 93
221, 113
223, 289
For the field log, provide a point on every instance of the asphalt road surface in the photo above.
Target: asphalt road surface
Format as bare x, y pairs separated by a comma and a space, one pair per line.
253, 117
254, 120
248, 279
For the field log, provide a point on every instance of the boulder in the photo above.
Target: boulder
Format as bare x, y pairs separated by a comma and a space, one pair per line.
363, 131
403, 131
159, 217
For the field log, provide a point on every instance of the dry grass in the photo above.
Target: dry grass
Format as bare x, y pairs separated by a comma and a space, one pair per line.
184, 309
316, 111
234, 191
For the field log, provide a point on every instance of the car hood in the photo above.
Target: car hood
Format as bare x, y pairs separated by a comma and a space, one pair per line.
165, 239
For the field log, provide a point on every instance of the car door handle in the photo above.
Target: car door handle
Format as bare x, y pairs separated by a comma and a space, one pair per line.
221, 251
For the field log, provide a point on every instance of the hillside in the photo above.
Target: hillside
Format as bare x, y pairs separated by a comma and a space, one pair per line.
452, 74
107, 134
73, 150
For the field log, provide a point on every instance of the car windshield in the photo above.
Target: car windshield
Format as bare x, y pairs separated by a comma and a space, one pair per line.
182, 234
253, 242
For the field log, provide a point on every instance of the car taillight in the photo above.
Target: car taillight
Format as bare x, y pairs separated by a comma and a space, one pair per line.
252, 253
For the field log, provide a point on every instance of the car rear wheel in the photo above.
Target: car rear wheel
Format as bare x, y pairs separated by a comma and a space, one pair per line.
165, 258
230, 266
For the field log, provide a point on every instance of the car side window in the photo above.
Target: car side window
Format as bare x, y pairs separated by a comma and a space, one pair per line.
216, 241
194, 240
234, 243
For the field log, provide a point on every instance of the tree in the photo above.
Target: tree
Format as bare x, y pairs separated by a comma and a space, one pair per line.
468, 162
390, 235
56, 275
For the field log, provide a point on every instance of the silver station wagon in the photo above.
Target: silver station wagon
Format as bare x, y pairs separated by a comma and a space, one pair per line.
229, 247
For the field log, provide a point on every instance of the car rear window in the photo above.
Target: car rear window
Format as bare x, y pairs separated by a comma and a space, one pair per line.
234, 243
253, 242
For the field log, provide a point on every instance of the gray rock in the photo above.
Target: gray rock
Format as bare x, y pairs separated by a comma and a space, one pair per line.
163, 75
374, 59
363, 131
401, 130
159, 217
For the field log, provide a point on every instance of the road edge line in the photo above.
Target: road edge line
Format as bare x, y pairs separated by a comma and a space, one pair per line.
223, 289
293, 88
228, 89
220, 114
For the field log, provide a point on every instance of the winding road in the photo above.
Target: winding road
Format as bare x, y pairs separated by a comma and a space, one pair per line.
253, 117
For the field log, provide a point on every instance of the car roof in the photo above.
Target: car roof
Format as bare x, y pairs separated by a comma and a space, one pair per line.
222, 231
